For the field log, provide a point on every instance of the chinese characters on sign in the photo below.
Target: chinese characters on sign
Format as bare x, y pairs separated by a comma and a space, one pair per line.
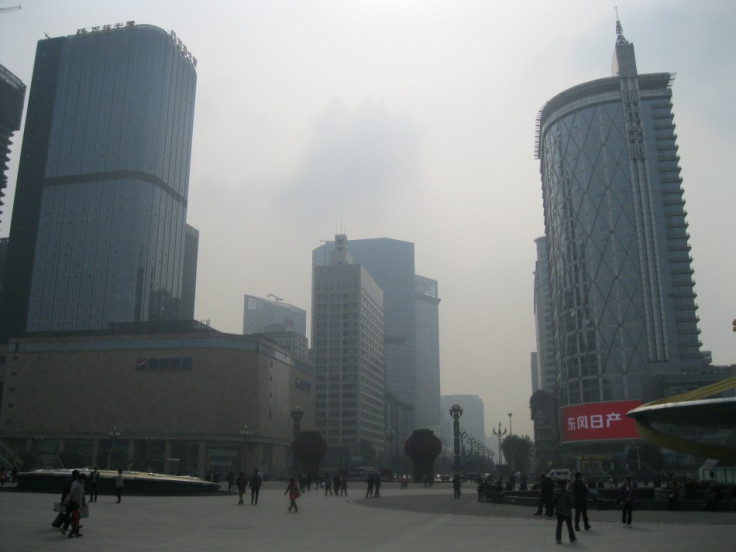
164, 364
605, 420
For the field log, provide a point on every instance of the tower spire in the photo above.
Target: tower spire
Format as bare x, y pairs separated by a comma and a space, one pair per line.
620, 39
624, 61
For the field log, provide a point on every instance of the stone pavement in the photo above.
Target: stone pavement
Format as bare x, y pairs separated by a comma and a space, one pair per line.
401, 520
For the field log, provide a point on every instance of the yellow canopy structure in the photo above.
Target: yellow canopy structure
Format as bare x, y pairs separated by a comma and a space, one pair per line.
691, 408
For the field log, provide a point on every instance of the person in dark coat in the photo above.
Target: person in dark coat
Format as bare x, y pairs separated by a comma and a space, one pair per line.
546, 491
255, 486
241, 483
92, 481
369, 489
626, 499
456, 485
580, 501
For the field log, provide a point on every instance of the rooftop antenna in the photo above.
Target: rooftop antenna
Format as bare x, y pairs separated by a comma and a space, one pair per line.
620, 39
276, 298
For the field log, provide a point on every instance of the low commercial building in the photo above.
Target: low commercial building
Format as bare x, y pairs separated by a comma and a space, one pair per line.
172, 398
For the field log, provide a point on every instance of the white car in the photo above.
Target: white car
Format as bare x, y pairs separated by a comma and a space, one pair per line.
559, 473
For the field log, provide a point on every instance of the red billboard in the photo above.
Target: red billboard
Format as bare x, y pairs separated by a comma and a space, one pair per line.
596, 421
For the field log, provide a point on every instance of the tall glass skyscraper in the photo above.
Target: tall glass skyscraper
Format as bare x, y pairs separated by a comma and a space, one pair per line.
99, 221
620, 276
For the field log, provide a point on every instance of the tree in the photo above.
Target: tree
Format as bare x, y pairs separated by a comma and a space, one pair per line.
517, 450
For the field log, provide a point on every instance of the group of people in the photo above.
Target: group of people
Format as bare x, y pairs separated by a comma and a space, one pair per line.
242, 483
489, 490
557, 499
73, 499
373, 489
335, 484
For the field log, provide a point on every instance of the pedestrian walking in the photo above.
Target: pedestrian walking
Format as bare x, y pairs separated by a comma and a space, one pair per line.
255, 486
119, 484
626, 500
242, 483
369, 489
377, 486
293, 489
580, 501
76, 502
456, 485
92, 481
343, 486
563, 509
65, 499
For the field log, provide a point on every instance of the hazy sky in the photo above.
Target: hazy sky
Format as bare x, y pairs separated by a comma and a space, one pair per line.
414, 120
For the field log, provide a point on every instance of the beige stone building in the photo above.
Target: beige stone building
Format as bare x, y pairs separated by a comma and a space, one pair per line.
191, 402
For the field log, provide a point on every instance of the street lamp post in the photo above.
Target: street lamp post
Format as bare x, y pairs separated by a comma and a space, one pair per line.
500, 434
296, 414
456, 411
513, 467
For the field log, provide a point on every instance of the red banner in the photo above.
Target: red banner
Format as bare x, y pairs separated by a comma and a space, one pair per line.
594, 421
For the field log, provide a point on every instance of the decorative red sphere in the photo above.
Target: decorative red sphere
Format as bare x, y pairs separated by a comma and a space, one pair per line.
423, 447
308, 448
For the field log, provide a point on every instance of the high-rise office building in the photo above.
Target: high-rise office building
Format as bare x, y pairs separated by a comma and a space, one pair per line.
12, 95
189, 279
282, 323
260, 314
99, 221
347, 350
545, 358
391, 263
621, 291
428, 351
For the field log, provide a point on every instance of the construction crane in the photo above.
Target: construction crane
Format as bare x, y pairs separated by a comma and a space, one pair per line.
276, 298
10, 8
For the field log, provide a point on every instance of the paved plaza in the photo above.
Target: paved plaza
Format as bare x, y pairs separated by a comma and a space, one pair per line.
401, 520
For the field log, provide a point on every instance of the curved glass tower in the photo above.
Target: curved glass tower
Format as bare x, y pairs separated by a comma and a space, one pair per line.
620, 276
99, 221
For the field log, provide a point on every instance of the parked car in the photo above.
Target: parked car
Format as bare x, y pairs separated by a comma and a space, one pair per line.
559, 473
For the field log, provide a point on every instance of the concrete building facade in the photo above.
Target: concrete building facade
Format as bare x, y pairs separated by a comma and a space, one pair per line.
391, 264
12, 95
546, 360
260, 314
148, 397
427, 302
347, 351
